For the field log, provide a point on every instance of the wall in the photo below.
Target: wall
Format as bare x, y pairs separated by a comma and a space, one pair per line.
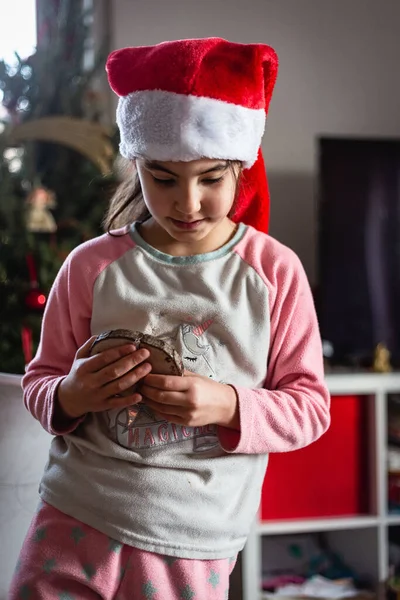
338, 76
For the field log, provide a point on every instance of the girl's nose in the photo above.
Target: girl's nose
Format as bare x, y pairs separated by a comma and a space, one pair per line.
189, 202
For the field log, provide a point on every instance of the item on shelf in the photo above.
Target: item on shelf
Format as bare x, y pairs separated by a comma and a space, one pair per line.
358, 596
329, 565
393, 584
270, 584
392, 590
297, 560
381, 362
320, 587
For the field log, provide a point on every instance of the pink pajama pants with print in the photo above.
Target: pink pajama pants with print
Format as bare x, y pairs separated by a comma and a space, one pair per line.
63, 559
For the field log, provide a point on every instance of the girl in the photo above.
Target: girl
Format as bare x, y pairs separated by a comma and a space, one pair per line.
152, 495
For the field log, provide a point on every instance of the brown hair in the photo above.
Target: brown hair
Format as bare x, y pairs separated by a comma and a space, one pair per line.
127, 204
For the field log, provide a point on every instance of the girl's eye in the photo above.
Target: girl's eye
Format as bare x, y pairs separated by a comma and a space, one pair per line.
167, 182
171, 182
212, 181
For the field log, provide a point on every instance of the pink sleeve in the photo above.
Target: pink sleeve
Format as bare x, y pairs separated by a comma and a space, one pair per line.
65, 328
293, 409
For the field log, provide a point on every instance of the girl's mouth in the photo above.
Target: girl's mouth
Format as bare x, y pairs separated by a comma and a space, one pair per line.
187, 225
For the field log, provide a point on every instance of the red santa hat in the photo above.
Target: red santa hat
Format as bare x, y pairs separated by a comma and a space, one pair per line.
201, 98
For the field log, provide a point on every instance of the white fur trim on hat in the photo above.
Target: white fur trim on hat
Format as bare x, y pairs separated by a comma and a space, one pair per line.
165, 126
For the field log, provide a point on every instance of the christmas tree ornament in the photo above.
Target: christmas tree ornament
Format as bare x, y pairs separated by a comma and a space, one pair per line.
38, 217
27, 343
35, 299
35, 302
163, 358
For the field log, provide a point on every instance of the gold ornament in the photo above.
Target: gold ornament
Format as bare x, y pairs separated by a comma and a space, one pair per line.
381, 362
90, 139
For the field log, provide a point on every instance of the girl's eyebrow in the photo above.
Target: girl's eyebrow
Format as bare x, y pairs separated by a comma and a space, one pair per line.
155, 166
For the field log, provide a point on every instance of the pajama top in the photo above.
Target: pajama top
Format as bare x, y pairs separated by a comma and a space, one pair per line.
241, 315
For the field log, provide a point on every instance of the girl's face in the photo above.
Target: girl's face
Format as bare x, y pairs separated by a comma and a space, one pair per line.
189, 202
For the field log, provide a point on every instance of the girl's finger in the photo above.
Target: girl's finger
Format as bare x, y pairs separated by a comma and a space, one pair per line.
163, 396
170, 383
124, 383
165, 411
97, 362
120, 367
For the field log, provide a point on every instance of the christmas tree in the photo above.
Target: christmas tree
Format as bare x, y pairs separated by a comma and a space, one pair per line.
55, 159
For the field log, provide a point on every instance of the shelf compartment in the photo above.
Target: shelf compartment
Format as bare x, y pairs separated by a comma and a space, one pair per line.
300, 553
330, 478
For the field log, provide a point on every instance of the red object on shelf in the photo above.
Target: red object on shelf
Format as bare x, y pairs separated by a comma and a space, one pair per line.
328, 478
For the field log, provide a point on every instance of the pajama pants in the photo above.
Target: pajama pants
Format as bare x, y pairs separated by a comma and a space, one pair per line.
63, 559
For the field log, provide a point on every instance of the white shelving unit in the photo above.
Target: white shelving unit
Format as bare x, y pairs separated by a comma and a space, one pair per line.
362, 540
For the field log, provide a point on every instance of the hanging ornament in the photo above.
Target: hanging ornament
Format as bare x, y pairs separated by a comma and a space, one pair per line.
27, 343
38, 216
35, 299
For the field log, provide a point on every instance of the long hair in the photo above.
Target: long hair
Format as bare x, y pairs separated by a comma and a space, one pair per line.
127, 204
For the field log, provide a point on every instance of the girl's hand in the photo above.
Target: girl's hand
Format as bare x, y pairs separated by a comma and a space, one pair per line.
191, 400
94, 382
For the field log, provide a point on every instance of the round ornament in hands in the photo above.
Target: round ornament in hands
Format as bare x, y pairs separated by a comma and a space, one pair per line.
164, 358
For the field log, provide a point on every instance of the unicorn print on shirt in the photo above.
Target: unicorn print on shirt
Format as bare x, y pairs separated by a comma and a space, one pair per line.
195, 348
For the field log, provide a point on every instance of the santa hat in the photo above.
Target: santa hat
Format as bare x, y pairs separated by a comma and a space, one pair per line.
201, 98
